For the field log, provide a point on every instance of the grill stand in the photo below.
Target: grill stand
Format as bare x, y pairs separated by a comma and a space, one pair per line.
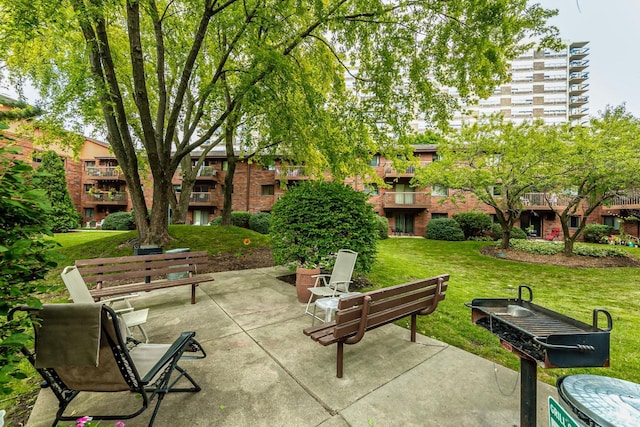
528, 392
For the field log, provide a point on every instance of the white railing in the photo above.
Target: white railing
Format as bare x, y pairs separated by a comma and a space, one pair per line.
544, 199
107, 171
291, 171
200, 197
411, 169
629, 199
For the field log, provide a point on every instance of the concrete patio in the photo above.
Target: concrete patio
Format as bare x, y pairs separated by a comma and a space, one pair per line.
261, 370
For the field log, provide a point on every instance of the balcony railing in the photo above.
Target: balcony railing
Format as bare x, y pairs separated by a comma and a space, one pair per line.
626, 200
104, 196
111, 172
291, 172
389, 170
200, 197
404, 199
542, 200
207, 171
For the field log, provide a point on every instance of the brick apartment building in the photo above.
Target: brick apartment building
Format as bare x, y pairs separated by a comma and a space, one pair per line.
98, 188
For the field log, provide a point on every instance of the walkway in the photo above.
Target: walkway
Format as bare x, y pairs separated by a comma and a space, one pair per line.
262, 371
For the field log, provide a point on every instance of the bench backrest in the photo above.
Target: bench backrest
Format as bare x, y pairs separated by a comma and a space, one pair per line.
136, 267
389, 304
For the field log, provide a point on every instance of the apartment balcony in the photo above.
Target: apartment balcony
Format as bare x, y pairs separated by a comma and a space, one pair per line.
408, 172
104, 173
541, 201
109, 198
201, 199
578, 100
629, 201
578, 89
578, 65
291, 173
206, 173
578, 77
405, 200
577, 112
578, 53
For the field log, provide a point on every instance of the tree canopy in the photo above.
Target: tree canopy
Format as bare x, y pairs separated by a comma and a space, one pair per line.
165, 78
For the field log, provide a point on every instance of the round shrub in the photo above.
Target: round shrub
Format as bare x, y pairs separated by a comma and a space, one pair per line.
119, 221
314, 220
516, 232
383, 227
594, 233
260, 222
240, 219
216, 221
473, 224
444, 229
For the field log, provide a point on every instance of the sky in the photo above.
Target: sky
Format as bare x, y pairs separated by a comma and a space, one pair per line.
612, 28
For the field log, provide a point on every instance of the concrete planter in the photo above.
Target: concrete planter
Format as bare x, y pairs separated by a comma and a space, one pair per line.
304, 281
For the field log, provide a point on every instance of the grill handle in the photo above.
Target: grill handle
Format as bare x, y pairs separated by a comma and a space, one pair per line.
578, 347
520, 292
597, 311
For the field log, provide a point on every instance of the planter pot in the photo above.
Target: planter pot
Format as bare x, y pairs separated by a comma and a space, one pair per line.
304, 281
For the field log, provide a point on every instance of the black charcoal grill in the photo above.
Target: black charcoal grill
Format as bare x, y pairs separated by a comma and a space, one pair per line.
541, 337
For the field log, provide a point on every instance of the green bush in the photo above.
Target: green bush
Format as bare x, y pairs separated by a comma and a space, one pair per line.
119, 221
314, 220
25, 255
260, 222
595, 232
539, 247
63, 216
240, 219
216, 221
383, 227
473, 224
516, 232
444, 229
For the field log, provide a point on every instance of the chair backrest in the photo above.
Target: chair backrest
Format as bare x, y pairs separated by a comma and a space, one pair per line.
75, 285
343, 267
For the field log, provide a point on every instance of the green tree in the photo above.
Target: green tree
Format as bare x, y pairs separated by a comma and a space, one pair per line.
168, 78
497, 163
597, 163
24, 253
316, 219
64, 216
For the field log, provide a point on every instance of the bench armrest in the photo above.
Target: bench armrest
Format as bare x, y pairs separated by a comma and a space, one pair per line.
362, 327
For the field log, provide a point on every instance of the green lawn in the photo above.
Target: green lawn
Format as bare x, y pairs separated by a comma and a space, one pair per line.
573, 292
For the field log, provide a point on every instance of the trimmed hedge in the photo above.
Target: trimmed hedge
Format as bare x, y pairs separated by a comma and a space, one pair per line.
240, 219
444, 229
473, 224
119, 221
260, 222
516, 232
316, 219
383, 227
594, 233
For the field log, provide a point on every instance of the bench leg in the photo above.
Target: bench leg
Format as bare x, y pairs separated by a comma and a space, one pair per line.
414, 326
339, 359
193, 294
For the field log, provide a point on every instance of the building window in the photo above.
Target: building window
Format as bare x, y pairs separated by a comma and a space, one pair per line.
268, 190
435, 215
371, 190
496, 190
436, 157
574, 221
89, 213
225, 165
611, 221
177, 188
375, 161
88, 187
439, 190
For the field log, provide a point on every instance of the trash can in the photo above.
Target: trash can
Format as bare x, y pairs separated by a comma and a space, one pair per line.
181, 275
147, 250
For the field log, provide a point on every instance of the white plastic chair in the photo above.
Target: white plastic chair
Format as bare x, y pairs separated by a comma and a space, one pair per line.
336, 283
80, 294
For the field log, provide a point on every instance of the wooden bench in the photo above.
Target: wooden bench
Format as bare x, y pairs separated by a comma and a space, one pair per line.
108, 273
359, 313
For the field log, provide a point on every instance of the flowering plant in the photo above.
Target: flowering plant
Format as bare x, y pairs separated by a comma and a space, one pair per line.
246, 250
87, 422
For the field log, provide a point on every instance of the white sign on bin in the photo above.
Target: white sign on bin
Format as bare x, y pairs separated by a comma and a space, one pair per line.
558, 417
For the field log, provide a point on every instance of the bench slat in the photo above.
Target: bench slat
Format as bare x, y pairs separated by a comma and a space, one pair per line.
146, 287
138, 258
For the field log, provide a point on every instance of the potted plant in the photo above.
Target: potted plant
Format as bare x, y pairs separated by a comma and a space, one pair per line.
305, 279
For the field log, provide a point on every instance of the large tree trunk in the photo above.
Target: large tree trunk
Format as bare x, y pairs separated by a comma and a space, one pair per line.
180, 205
227, 195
